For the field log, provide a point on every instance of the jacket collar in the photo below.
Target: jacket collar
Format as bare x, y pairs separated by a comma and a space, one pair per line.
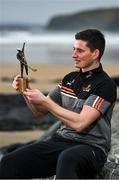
89, 73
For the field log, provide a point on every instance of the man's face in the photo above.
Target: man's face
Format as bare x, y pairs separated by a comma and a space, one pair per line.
82, 55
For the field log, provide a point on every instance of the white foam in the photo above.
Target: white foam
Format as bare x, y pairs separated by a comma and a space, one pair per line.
46, 38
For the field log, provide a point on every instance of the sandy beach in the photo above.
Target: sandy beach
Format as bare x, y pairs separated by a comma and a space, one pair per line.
46, 77
11, 137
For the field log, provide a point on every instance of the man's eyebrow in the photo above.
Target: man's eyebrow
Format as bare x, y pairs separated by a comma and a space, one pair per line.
79, 49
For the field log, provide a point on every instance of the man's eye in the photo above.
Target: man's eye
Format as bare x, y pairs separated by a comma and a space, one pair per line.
80, 50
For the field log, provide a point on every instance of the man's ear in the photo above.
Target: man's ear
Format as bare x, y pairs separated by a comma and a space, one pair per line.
96, 54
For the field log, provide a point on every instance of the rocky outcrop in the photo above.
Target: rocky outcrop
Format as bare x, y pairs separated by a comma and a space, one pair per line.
104, 19
15, 115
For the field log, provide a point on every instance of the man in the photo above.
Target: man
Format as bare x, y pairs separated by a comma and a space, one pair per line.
83, 102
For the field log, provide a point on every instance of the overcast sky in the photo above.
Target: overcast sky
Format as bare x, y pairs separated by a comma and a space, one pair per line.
40, 11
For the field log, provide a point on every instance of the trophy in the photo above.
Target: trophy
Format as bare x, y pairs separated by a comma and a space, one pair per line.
23, 81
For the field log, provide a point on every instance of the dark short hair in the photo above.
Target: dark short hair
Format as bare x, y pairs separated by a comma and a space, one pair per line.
94, 38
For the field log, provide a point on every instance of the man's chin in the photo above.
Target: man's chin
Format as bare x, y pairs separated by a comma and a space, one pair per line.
77, 66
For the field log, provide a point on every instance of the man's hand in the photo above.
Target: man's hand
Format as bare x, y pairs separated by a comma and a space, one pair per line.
34, 96
15, 83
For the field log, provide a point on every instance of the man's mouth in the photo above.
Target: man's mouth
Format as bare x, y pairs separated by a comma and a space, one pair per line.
77, 61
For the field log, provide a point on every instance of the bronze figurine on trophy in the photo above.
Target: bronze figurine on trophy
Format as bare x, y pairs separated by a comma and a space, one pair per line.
23, 81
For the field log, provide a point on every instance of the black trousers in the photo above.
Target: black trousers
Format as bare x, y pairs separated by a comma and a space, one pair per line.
65, 158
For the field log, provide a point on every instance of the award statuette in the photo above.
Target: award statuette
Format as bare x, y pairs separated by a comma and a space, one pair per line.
23, 81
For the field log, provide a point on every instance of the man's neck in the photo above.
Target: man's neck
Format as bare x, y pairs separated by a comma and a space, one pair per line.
94, 66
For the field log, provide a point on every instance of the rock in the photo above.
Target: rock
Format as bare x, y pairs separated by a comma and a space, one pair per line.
15, 115
111, 167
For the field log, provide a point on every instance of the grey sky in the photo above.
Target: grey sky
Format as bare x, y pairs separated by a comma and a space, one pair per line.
40, 11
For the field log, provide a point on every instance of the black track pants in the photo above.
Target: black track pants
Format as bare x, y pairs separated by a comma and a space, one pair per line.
79, 162
65, 158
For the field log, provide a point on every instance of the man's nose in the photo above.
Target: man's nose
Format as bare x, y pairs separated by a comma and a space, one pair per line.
74, 54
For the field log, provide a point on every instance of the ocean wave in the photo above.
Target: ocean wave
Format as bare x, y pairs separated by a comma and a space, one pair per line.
48, 37
42, 38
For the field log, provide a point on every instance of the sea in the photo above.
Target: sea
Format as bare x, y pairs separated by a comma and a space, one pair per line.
49, 47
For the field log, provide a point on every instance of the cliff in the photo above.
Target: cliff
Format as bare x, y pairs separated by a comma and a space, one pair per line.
103, 19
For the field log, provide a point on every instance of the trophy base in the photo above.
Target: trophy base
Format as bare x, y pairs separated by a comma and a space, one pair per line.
23, 84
